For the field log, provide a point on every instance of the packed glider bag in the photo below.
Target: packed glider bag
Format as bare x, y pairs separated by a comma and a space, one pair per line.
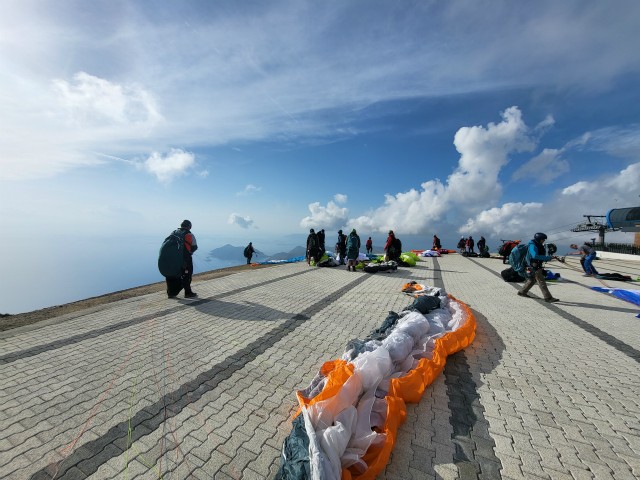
171, 256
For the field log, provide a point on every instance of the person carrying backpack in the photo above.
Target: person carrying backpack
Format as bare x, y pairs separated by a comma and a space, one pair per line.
369, 245
342, 246
353, 250
461, 244
534, 258
321, 241
312, 247
436, 243
392, 248
470, 244
248, 252
188, 245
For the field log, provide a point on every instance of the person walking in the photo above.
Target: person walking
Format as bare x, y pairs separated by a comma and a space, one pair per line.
176, 284
482, 243
312, 247
353, 250
535, 273
588, 255
369, 245
248, 252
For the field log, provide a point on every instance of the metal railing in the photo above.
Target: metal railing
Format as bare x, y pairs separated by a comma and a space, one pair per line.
627, 248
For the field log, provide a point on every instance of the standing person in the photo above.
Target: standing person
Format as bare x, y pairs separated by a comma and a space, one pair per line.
470, 244
534, 258
482, 243
436, 243
462, 244
342, 246
369, 245
312, 246
588, 255
391, 248
321, 241
248, 252
353, 250
176, 284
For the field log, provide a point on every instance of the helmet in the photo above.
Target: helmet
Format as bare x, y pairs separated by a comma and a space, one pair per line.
311, 230
186, 224
339, 231
539, 237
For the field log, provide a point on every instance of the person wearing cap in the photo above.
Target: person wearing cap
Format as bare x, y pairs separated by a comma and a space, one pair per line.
353, 250
313, 247
174, 285
535, 257
341, 246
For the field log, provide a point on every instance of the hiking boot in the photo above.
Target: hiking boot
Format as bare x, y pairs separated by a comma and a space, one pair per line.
551, 300
523, 294
190, 295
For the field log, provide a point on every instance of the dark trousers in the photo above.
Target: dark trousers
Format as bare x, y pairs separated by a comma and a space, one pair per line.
249, 259
176, 284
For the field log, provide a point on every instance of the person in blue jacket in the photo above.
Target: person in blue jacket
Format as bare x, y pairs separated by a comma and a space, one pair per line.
536, 256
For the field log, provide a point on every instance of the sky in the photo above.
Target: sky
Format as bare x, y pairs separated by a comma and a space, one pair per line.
260, 120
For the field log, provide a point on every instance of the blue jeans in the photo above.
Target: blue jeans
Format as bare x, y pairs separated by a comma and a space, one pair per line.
588, 264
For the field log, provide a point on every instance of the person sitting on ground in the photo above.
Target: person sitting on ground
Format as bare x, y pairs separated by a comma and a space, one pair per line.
535, 273
353, 250
588, 255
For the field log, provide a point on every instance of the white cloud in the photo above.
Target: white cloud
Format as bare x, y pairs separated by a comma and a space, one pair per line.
176, 163
501, 222
239, 220
473, 184
544, 167
576, 188
248, 190
94, 99
340, 198
331, 216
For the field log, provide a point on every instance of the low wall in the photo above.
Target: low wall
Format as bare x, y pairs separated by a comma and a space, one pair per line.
619, 256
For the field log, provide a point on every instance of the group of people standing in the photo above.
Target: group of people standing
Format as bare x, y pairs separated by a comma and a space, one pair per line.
468, 244
347, 247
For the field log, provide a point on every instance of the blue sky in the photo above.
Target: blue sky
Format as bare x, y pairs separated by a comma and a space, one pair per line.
258, 120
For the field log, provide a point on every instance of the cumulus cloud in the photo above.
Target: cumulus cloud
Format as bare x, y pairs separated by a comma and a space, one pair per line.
239, 220
575, 188
518, 220
502, 221
473, 184
167, 167
340, 198
331, 216
91, 98
543, 168
248, 190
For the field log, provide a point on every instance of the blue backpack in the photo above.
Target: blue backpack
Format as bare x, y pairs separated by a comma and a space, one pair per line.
518, 258
171, 256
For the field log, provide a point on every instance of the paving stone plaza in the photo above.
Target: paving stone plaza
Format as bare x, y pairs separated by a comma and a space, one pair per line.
155, 388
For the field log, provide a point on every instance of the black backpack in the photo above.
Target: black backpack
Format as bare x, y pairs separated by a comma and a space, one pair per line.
397, 245
171, 256
246, 251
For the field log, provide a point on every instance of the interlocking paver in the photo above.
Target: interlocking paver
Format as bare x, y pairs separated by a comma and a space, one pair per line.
208, 387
